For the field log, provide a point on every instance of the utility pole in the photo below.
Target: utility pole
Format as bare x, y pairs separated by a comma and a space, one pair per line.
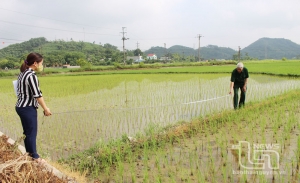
239, 53
137, 47
83, 35
199, 36
123, 38
165, 53
41, 52
194, 52
266, 51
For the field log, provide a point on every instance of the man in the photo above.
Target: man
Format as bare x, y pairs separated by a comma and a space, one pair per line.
239, 79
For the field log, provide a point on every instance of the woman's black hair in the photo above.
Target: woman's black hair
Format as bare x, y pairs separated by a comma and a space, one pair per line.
31, 58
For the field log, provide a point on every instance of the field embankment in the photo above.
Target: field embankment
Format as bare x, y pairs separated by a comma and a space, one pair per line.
269, 67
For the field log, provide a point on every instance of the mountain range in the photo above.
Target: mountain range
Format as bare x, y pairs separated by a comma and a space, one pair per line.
263, 48
66, 51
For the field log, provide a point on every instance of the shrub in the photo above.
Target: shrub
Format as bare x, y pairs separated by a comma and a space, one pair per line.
141, 65
118, 65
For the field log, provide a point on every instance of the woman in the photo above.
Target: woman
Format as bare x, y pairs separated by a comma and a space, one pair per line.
29, 98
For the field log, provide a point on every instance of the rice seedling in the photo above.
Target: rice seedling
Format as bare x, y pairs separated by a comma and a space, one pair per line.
114, 107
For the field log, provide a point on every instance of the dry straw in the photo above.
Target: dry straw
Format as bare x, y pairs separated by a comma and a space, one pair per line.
15, 167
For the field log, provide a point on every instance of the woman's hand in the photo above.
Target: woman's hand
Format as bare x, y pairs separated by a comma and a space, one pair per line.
47, 112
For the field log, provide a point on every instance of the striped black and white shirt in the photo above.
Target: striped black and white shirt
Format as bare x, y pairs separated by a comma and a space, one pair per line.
28, 89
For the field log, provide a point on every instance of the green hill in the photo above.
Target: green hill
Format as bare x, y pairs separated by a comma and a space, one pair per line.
264, 48
57, 53
273, 48
19, 49
208, 52
215, 52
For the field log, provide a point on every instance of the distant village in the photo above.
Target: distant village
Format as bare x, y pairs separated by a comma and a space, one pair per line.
138, 59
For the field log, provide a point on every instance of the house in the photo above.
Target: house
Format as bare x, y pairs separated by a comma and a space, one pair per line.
151, 57
139, 60
164, 58
70, 67
136, 59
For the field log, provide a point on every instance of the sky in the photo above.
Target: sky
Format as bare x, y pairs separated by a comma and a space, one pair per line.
147, 23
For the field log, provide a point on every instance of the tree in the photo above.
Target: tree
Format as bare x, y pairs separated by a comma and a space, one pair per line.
108, 53
73, 56
190, 58
137, 52
109, 46
246, 57
83, 63
7, 63
59, 52
117, 57
176, 57
235, 57
129, 53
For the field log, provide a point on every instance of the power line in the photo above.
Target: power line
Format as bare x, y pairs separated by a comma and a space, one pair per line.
239, 53
159, 38
55, 19
54, 28
13, 39
165, 45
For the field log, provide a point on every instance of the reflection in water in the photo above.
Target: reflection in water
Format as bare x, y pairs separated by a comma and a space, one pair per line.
82, 120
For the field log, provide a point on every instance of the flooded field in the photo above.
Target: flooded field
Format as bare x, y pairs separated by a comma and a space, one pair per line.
90, 109
258, 144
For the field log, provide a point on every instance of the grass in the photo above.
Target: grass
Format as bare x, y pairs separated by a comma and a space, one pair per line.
48, 71
269, 67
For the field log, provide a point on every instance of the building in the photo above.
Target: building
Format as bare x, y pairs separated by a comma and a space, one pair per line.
136, 59
151, 57
70, 67
164, 58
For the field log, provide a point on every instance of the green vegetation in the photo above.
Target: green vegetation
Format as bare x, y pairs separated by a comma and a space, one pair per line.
167, 124
264, 48
182, 53
60, 52
201, 150
117, 66
268, 67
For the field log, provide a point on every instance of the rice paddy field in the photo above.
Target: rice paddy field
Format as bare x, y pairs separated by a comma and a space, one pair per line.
159, 127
